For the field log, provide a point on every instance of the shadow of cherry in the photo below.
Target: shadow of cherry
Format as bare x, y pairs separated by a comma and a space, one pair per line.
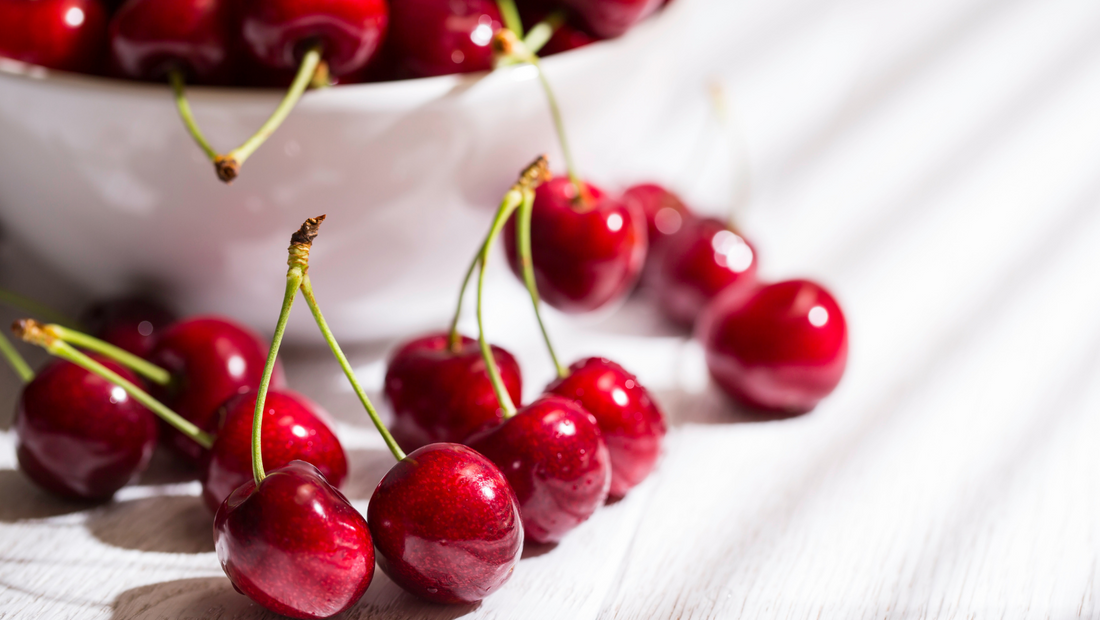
187, 599
164, 524
23, 500
534, 549
166, 468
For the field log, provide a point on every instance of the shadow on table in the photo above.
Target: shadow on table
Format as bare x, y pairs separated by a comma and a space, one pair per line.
166, 468
711, 406
164, 524
23, 500
366, 468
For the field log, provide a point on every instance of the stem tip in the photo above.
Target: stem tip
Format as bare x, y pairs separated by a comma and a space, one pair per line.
30, 330
308, 232
227, 168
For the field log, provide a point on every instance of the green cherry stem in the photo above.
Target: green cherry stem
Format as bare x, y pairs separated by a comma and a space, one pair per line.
539, 34
150, 371
228, 166
453, 340
523, 252
33, 332
512, 199
15, 300
175, 78
510, 14
18, 364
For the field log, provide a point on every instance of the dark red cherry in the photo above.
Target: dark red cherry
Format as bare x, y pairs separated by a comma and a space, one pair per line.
611, 18
79, 435
665, 214
440, 37
278, 32
130, 323
585, 255
632, 425
294, 429
553, 455
210, 359
69, 35
149, 38
694, 266
568, 36
441, 395
446, 524
294, 544
783, 348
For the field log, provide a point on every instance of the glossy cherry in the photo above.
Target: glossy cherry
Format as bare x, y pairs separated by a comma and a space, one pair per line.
695, 265
277, 32
630, 421
130, 323
69, 35
783, 348
665, 214
149, 38
446, 524
554, 457
440, 37
585, 255
611, 18
567, 36
294, 544
210, 359
442, 395
79, 435
294, 429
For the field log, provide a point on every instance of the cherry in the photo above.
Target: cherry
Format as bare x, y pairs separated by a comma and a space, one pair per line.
568, 35
665, 214
440, 394
630, 421
694, 266
611, 18
69, 35
79, 435
294, 544
130, 323
210, 359
585, 255
446, 524
553, 455
783, 348
440, 37
151, 38
294, 429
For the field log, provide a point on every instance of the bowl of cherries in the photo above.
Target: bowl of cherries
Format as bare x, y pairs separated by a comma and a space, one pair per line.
169, 143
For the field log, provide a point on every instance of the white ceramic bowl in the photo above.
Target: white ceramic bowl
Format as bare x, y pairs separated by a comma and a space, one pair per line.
99, 178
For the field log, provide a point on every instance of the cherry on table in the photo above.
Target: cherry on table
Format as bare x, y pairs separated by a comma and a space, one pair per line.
586, 254
150, 38
704, 259
554, 457
446, 524
80, 436
665, 214
630, 421
440, 37
294, 429
440, 394
611, 18
130, 323
68, 35
781, 349
210, 359
294, 544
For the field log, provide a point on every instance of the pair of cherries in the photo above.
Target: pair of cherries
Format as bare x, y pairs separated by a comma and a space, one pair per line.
780, 347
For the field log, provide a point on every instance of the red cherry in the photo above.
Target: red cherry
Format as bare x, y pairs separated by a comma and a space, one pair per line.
440, 395
149, 38
665, 214
210, 359
584, 256
632, 425
294, 429
440, 37
130, 323
79, 435
554, 458
446, 524
611, 18
783, 348
277, 32
69, 35
294, 544
694, 266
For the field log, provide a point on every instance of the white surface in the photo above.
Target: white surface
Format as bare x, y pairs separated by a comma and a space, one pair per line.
935, 164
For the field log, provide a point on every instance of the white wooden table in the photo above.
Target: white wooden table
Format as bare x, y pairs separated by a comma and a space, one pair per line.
937, 164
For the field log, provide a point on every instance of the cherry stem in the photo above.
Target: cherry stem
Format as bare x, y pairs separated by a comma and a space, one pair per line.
523, 252
33, 332
18, 364
15, 300
175, 78
294, 276
539, 34
228, 165
150, 371
453, 339
510, 14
